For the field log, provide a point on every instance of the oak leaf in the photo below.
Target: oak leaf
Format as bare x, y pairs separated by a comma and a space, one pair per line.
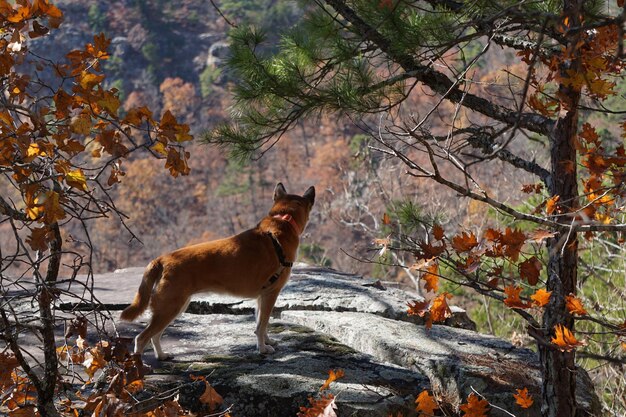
425, 404
323, 407
439, 309
541, 297
211, 397
564, 339
530, 270
39, 238
464, 242
513, 297
418, 308
574, 305
523, 399
474, 407
431, 277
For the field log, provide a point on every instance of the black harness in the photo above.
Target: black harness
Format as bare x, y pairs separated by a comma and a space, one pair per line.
281, 259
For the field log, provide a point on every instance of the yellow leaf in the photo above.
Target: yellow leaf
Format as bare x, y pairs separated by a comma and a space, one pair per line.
34, 150
81, 125
76, 179
88, 80
159, 148
110, 103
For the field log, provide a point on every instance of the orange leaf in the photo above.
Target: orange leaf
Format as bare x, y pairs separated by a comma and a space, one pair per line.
426, 404
464, 242
530, 270
474, 407
541, 297
439, 310
523, 399
333, 375
564, 339
574, 305
431, 276
551, 204
513, 299
386, 219
418, 308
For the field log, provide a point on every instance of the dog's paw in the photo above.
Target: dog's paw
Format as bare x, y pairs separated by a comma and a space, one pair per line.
165, 357
266, 349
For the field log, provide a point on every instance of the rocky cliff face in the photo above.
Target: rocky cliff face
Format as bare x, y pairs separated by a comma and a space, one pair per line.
327, 320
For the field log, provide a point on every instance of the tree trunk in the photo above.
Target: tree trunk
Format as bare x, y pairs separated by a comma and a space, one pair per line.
45, 299
559, 368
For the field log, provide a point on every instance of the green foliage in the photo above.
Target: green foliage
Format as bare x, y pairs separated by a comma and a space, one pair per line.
234, 183
207, 78
315, 254
96, 17
265, 13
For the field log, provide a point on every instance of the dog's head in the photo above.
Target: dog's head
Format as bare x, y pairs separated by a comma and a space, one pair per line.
298, 207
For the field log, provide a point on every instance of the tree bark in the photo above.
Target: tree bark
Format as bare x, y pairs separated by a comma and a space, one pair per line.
559, 368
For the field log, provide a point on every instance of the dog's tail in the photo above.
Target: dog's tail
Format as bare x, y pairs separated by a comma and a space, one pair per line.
140, 302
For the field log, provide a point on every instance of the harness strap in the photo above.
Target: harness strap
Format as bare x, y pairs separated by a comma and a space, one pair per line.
281, 258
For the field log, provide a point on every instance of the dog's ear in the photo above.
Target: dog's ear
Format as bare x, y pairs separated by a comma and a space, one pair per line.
309, 194
279, 191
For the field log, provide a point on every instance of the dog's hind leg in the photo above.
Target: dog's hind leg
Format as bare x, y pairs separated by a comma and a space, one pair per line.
156, 339
162, 316
265, 304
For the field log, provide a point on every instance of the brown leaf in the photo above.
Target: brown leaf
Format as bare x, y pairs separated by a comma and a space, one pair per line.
438, 232
211, 397
464, 242
530, 270
78, 326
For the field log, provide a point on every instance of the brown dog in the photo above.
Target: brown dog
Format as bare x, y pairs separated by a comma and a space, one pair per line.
253, 264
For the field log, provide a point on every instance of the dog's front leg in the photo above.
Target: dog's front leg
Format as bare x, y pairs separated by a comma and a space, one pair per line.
265, 304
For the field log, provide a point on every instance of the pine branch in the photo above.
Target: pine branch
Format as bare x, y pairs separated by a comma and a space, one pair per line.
438, 81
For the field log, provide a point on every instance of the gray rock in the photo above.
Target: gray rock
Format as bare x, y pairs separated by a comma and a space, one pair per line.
223, 347
333, 320
456, 361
